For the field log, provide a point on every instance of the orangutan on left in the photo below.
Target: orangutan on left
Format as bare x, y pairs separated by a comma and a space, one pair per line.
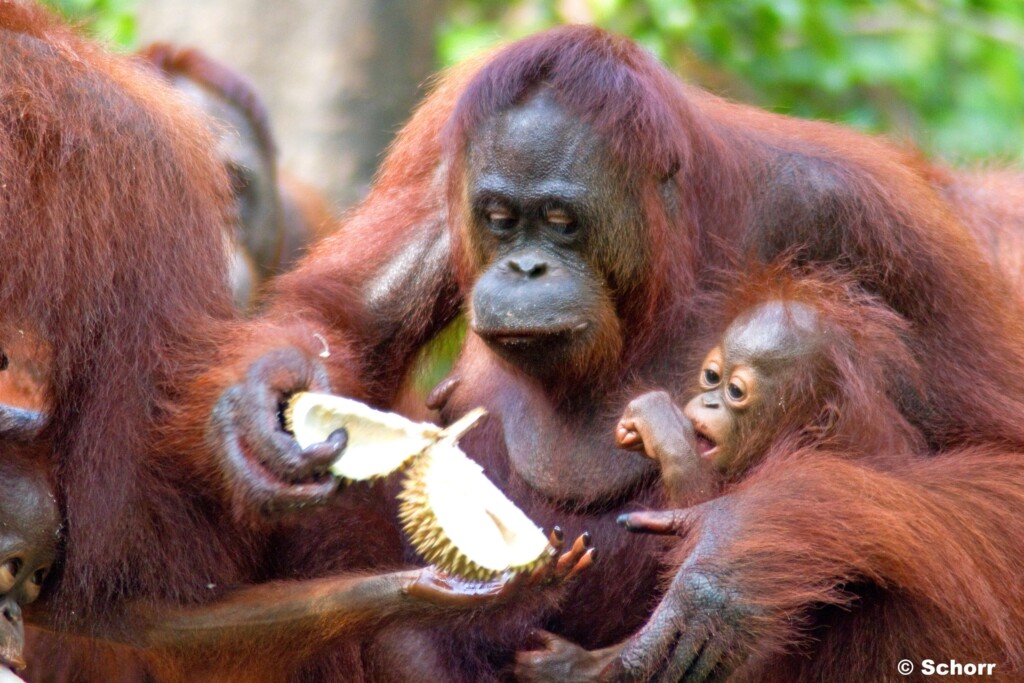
277, 215
115, 270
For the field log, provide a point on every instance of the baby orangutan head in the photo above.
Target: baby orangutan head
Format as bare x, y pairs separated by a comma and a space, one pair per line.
767, 357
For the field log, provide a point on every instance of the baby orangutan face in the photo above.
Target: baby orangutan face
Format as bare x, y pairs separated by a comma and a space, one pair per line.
745, 377
29, 524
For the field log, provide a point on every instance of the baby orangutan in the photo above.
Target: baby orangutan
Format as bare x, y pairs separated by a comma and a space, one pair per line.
788, 373
803, 365
29, 526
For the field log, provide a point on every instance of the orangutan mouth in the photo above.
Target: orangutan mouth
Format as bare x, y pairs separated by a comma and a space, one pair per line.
530, 336
706, 446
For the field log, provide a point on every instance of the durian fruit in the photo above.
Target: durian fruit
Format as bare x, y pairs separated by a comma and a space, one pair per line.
378, 442
459, 521
455, 517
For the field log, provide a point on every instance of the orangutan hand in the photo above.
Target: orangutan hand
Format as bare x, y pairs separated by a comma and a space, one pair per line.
264, 468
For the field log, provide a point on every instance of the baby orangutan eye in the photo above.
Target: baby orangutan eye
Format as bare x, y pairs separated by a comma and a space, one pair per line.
737, 392
711, 376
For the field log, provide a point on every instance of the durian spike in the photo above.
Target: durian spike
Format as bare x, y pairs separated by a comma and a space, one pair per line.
457, 519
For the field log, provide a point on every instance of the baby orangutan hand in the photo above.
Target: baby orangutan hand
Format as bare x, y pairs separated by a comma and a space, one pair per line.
654, 425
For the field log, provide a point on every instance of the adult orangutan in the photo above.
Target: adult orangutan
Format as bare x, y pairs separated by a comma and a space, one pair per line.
278, 215
574, 199
112, 207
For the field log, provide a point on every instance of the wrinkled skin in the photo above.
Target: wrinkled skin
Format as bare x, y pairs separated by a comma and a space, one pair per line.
544, 207
535, 185
540, 234
698, 633
29, 525
699, 630
746, 184
246, 423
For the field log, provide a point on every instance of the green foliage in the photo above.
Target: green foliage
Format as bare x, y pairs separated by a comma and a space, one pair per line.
945, 74
437, 358
112, 21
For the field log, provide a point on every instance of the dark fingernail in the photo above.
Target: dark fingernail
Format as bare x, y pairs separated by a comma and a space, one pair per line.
339, 437
623, 520
586, 539
593, 555
558, 533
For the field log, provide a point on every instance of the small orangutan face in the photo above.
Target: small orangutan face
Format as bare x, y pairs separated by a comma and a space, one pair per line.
29, 526
744, 379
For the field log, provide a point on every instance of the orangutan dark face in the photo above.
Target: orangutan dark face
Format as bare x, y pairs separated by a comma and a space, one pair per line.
29, 525
548, 218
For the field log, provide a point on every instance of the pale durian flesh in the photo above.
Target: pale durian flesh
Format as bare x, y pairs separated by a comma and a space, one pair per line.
462, 523
454, 516
378, 442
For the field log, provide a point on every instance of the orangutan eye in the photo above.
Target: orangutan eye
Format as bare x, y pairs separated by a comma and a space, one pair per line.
500, 219
738, 390
38, 577
561, 221
9, 573
33, 587
711, 376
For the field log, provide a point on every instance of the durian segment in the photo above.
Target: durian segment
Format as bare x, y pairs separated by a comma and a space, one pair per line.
459, 521
378, 442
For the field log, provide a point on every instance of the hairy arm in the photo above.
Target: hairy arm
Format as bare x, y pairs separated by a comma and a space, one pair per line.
348, 320
798, 536
313, 611
383, 284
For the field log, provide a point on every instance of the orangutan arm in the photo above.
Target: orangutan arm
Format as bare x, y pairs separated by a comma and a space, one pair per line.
797, 536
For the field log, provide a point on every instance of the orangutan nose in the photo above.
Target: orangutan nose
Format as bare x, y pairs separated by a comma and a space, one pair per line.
530, 265
12, 613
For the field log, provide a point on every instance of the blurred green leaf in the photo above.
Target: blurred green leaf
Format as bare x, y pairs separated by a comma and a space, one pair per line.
111, 21
946, 74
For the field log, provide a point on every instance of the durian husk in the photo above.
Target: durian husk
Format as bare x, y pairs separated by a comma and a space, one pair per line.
453, 515
462, 523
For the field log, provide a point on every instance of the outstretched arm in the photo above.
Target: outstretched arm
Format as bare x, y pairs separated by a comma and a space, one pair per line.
318, 610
